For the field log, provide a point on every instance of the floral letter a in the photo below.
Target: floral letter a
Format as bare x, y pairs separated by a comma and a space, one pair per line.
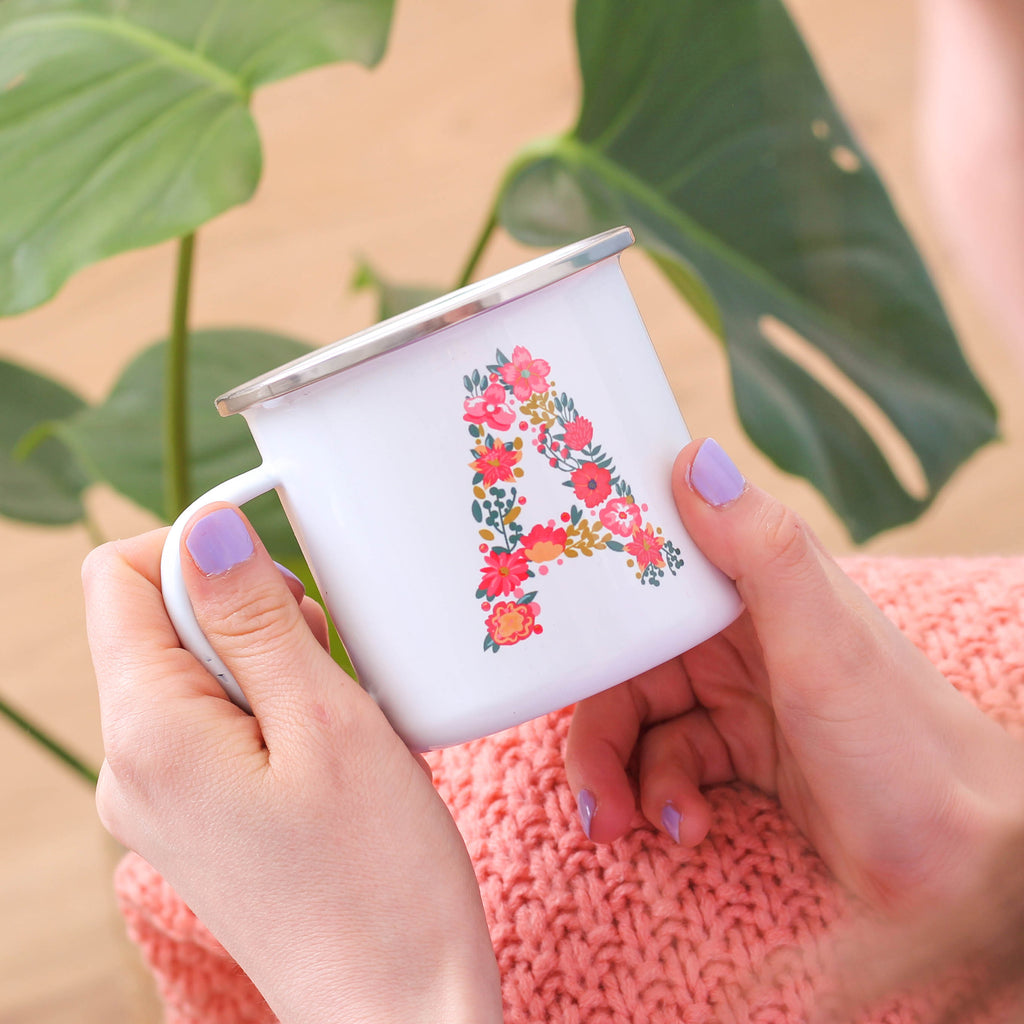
513, 556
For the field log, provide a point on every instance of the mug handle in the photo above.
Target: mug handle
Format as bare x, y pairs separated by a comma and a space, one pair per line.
237, 490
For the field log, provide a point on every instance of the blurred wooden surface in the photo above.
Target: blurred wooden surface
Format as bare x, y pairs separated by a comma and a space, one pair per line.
398, 165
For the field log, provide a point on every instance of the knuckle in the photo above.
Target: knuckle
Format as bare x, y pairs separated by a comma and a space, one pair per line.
96, 564
786, 542
141, 749
265, 618
122, 747
109, 803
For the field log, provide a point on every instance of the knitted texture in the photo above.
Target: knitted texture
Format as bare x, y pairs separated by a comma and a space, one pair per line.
642, 930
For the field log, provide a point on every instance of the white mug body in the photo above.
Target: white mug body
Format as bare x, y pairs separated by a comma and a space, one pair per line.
488, 511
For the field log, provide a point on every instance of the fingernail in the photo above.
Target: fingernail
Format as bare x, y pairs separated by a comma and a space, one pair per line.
219, 541
670, 819
714, 476
586, 805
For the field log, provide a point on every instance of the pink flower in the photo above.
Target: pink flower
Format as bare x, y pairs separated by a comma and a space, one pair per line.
579, 433
491, 408
525, 374
495, 463
621, 516
509, 623
646, 547
503, 572
592, 484
544, 543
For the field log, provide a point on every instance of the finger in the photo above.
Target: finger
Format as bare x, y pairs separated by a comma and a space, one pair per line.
128, 628
316, 620
294, 584
154, 697
823, 641
677, 758
311, 610
252, 621
595, 762
602, 738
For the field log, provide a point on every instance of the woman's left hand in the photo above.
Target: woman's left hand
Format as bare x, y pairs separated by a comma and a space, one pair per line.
306, 837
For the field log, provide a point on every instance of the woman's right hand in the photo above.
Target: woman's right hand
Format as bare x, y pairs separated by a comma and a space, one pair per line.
903, 786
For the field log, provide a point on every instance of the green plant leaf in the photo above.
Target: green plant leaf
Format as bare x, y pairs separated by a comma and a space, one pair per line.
126, 122
40, 480
119, 440
706, 128
392, 298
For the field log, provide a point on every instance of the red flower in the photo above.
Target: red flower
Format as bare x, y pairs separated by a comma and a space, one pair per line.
621, 516
579, 433
592, 484
646, 547
503, 572
525, 374
544, 543
491, 408
509, 622
496, 463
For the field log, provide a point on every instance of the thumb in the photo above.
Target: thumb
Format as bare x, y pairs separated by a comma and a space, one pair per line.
820, 635
249, 614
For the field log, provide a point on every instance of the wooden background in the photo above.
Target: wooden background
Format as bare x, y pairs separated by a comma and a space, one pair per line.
400, 165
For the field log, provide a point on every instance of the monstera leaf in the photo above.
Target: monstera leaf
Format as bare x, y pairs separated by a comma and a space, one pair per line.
126, 122
705, 127
40, 481
392, 298
119, 441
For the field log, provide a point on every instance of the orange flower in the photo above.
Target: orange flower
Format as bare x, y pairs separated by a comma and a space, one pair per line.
544, 543
509, 623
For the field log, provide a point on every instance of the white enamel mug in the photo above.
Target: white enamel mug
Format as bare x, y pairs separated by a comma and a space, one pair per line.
481, 488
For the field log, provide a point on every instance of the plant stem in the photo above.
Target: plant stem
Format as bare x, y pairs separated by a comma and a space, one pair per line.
478, 250
89, 774
176, 448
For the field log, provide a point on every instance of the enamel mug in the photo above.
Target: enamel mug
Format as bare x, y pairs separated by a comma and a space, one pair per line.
481, 488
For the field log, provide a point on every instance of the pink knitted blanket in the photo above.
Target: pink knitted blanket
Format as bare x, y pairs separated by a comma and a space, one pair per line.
642, 930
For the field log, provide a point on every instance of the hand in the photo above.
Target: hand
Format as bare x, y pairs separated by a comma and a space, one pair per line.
902, 785
307, 837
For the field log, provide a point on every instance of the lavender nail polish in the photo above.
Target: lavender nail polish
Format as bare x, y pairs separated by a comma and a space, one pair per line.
586, 804
219, 541
714, 476
670, 819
